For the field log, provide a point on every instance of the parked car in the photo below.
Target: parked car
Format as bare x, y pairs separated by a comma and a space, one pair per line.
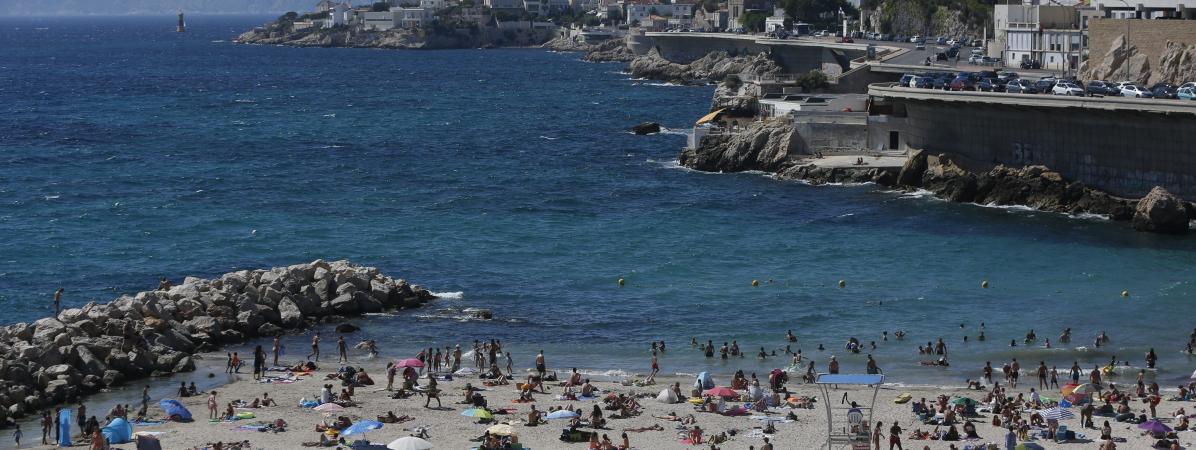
1031, 65
1021, 87
923, 82
920, 46
1188, 93
976, 59
906, 80
1132, 90
1045, 85
977, 43
847, 40
1067, 88
1190, 84
1101, 88
943, 81
1006, 76
1164, 90
940, 56
962, 83
942, 40
990, 85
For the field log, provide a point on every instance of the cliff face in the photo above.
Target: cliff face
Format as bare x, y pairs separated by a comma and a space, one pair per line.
422, 38
610, 50
938, 18
715, 66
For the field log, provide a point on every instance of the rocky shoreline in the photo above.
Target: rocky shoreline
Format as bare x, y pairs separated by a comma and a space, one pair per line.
768, 146
433, 38
157, 333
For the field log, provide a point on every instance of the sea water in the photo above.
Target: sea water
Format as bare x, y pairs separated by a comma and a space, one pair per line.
506, 179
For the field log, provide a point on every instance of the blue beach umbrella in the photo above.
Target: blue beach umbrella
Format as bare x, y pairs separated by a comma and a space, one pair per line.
477, 412
562, 414
361, 427
175, 410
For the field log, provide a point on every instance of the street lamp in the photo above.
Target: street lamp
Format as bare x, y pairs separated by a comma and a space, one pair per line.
1125, 46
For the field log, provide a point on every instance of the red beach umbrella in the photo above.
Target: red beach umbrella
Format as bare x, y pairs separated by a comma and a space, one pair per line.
721, 391
410, 362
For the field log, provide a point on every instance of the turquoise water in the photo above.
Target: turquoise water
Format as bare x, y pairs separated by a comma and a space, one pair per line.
131, 152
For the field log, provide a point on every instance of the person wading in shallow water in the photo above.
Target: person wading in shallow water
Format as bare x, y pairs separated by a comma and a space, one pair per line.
315, 347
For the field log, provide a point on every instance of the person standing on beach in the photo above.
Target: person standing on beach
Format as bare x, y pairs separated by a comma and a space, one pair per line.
1054, 377
833, 366
457, 358
510, 372
1014, 372
315, 347
276, 349
342, 350
259, 363
58, 302
213, 407
1075, 372
392, 369
81, 418
16, 435
540, 367
145, 398
47, 422
1042, 375
988, 371
57, 423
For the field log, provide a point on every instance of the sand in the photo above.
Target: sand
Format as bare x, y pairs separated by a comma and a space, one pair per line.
449, 430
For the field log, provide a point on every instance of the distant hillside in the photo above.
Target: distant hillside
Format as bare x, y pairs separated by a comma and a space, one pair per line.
929, 17
147, 7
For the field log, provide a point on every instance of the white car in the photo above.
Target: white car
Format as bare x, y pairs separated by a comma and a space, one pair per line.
976, 59
1067, 89
951, 42
1130, 90
915, 39
1190, 84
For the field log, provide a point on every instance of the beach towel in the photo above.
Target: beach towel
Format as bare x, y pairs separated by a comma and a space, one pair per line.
64, 429
147, 442
118, 431
146, 423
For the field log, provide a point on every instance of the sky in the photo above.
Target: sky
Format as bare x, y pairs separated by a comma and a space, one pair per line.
149, 7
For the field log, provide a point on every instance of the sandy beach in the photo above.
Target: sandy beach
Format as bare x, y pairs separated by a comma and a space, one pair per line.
447, 428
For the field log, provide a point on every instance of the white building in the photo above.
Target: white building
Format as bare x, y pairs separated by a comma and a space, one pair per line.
776, 22
504, 4
380, 21
413, 17
434, 5
337, 15
642, 11
1048, 34
533, 6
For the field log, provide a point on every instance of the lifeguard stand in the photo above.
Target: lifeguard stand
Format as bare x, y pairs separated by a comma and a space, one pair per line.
847, 426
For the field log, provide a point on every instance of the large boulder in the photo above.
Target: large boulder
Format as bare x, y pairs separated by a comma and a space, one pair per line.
1161, 212
89, 364
203, 324
345, 304
913, 169
291, 316
645, 128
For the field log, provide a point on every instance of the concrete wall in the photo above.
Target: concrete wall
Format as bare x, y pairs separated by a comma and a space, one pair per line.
1149, 36
1122, 152
832, 132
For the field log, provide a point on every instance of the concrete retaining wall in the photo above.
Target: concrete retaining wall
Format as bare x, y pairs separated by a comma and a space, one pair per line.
1124, 152
832, 132
1149, 36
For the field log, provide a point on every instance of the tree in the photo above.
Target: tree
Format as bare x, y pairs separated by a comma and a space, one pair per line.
380, 7
753, 20
815, 79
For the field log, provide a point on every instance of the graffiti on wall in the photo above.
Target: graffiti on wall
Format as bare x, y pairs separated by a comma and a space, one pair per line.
1030, 154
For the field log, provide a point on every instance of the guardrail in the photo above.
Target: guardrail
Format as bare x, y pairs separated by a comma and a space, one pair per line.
1159, 106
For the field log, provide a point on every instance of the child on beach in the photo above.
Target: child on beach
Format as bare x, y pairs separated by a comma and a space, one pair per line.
16, 436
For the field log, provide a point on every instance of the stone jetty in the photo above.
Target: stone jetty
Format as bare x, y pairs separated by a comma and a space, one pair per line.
152, 333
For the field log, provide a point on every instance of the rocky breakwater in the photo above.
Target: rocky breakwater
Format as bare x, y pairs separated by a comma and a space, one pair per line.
153, 333
714, 67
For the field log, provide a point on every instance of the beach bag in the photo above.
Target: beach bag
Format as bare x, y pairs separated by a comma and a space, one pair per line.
148, 443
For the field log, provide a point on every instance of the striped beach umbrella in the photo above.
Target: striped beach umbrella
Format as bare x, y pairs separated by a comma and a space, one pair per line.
1056, 413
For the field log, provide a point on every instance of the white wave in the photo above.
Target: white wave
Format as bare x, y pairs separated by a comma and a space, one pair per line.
1022, 208
676, 164
1090, 216
332, 146
218, 40
244, 100
51, 197
918, 193
548, 138
450, 295
664, 84
664, 130
614, 373
330, 115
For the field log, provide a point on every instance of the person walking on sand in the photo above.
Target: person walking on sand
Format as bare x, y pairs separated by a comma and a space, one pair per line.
81, 418
16, 435
876, 436
58, 302
540, 367
655, 369
510, 372
431, 392
47, 422
342, 350
895, 436
277, 347
213, 407
457, 358
315, 347
392, 369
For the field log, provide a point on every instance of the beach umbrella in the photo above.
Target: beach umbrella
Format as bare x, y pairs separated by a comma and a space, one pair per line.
562, 414
477, 412
965, 401
1154, 426
361, 427
502, 429
1068, 389
329, 408
409, 443
175, 410
721, 391
410, 362
1056, 413
1085, 389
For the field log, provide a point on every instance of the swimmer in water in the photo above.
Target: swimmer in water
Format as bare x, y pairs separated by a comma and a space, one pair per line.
1013, 342
821, 348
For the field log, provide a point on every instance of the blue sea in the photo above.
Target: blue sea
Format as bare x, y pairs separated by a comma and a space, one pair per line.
505, 179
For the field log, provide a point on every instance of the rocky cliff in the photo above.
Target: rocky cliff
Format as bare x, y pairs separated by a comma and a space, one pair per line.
715, 66
610, 50
764, 145
55, 360
1176, 64
937, 18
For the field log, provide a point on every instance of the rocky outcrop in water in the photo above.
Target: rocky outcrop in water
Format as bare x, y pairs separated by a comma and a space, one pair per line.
715, 66
763, 145
1161, 212
431, 38
645, 128
54, 360
610, 50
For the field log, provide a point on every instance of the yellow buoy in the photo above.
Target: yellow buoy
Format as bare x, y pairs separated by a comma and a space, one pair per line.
842, 284
755, 283
620, 282
1125, 293
984, 284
